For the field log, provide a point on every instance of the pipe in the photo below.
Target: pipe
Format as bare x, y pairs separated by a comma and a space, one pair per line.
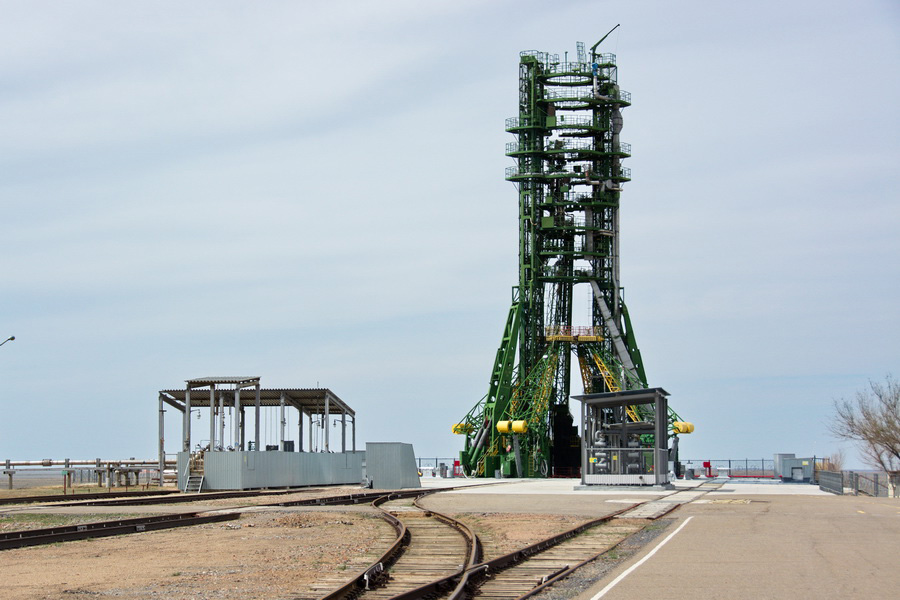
482, 435
94, 463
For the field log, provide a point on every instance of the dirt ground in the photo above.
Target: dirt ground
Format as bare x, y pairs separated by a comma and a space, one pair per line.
501, 533
267, 496
269, 553
265, 554
56, 490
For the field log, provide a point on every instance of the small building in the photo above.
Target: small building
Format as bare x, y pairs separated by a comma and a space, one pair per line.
790, 468
625, 438
245, 464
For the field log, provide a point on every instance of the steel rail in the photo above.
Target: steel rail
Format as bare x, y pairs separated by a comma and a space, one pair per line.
89, 496
480, 572
374, 573
37, 537
466, 578
362, 580
440, 586
178, 497
364, 497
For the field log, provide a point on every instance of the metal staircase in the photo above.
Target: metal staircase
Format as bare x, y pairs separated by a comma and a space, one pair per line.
194, 484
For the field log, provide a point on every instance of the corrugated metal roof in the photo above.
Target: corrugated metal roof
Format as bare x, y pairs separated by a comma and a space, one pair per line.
310, 400
223, 380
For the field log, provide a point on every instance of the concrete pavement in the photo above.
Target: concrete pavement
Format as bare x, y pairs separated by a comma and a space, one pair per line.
776, 545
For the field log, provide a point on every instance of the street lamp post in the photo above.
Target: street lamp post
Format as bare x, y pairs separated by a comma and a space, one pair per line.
9, 339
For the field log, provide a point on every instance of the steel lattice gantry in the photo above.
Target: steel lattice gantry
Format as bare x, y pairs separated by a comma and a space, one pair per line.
569, 177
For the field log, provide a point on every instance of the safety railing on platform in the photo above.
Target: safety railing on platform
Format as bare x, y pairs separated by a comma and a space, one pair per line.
572, 330
583, 94
569, 146
624, 173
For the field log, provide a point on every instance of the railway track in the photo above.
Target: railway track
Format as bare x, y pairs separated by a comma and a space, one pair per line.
439, 550
37, 537
94, 496
427, 559
431, 560
353, 498
523, 573
432, 555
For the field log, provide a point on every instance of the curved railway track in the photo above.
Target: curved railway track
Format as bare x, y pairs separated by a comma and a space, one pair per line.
427, 559
432, 559
439, 549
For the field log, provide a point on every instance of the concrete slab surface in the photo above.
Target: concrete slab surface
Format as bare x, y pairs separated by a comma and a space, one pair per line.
760, 546
776, 489
541, 486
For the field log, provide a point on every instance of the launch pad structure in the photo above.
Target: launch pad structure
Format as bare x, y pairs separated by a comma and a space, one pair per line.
569, 177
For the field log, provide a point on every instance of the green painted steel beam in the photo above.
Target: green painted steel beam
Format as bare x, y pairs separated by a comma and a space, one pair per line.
569, 178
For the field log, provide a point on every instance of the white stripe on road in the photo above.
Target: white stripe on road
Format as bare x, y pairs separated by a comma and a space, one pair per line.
628, 571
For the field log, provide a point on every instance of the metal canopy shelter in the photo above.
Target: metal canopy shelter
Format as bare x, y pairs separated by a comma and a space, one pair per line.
242, 392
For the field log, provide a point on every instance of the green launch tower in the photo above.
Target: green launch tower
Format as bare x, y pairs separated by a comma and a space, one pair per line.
569, 177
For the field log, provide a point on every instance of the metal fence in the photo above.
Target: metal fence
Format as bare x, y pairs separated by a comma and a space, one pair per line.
734, 467
855, 483
435, 467
831, 481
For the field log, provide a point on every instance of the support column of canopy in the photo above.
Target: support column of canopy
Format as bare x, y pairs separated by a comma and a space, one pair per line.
238, 427
325, 423
257, 414
282, 424
186, 421
162, 439
221, 409
212, 417
301, 414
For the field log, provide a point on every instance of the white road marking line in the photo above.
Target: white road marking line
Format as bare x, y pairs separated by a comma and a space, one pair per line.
628, 571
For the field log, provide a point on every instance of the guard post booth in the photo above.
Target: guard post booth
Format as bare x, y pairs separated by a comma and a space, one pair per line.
231, 458
625, 437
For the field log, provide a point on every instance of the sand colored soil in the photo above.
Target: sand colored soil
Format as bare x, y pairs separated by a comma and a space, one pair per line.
265, 554
501, 533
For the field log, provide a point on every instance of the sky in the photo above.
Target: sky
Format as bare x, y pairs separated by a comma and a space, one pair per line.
313, 193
